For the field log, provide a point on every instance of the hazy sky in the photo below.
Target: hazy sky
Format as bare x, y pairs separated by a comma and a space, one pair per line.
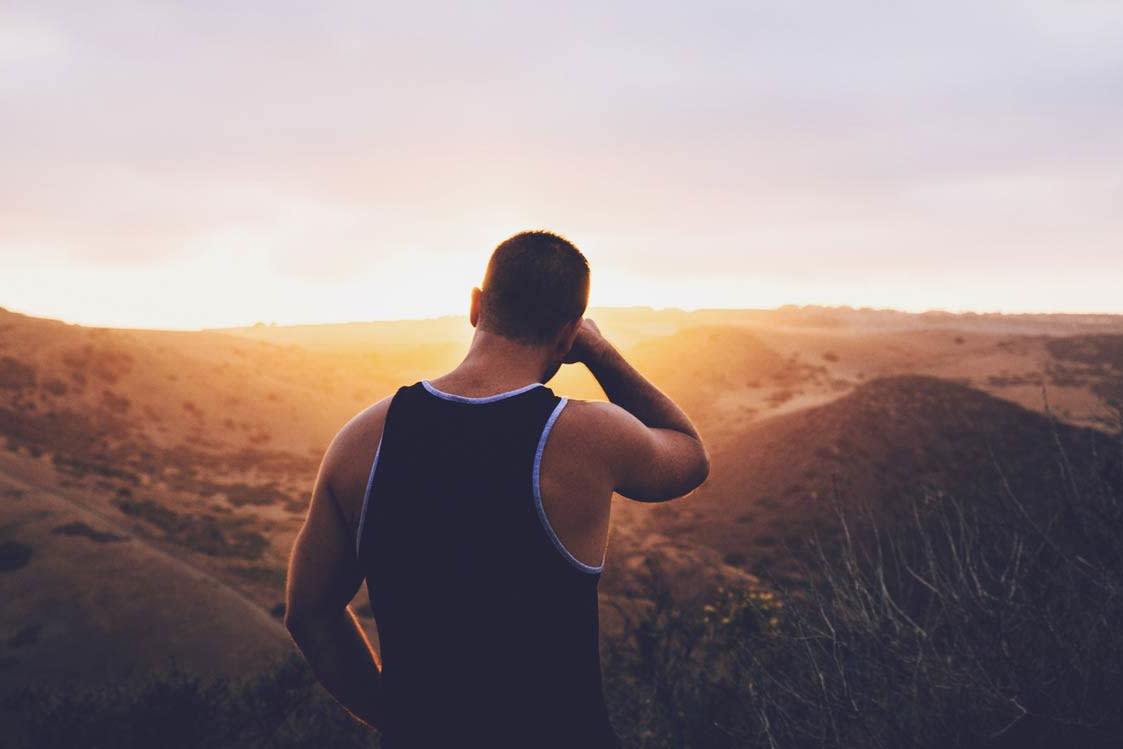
206, 163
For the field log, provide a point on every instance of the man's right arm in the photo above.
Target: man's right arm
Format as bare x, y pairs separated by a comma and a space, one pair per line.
654, 451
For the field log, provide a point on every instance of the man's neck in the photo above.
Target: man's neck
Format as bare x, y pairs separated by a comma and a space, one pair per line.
497, 363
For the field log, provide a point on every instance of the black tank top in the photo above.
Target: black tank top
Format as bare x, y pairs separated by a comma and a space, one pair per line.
488, 626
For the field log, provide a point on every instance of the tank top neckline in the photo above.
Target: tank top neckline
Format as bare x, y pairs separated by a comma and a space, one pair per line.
433, 390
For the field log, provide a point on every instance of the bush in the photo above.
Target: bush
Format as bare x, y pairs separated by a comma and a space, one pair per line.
956, 625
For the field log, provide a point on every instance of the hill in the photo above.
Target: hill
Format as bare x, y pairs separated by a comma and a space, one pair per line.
774, 485
88, 600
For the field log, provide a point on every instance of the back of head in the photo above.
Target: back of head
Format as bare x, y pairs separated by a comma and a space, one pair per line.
535, 283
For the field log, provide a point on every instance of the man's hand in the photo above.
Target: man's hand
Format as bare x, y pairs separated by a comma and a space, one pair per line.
588, 344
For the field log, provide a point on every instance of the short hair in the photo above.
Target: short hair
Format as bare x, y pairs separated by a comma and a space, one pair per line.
535, 283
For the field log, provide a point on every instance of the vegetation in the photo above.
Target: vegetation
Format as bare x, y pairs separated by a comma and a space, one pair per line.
281, 708
953, 624
207, 534
985, 624
82, 529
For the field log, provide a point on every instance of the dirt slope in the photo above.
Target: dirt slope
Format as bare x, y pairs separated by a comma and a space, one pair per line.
86, 598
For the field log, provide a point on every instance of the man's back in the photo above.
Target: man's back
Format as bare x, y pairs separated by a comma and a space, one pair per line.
483, 532
487, 623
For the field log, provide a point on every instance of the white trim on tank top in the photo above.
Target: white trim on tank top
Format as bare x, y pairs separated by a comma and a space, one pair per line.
481, 399
535, 481
366, 495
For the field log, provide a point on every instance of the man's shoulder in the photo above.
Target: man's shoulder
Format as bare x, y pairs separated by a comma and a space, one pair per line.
349, 456
595, 412
360, 429
593, 421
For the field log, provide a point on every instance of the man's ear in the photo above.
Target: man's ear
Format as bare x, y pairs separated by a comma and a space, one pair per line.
567, 336
474, 307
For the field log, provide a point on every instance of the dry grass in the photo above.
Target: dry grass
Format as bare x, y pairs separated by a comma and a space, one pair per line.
991, 623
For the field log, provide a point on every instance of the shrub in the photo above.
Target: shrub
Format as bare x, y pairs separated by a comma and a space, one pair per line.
985, 624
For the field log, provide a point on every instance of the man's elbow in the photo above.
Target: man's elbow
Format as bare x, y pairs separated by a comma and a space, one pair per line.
701, 468
696, 473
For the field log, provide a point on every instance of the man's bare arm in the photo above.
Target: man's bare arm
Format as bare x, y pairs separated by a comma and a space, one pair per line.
323, 578
657, 452
630, 390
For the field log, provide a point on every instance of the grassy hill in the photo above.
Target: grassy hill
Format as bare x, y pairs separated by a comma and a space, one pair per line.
776, 484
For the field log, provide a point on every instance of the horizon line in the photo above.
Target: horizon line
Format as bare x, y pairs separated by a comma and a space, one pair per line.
633, 307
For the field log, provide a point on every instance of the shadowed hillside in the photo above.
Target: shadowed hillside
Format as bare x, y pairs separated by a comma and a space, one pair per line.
88, 601
1095, 361
775, 485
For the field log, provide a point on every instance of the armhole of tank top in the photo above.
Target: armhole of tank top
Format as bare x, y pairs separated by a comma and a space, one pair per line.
535, 481
366, 494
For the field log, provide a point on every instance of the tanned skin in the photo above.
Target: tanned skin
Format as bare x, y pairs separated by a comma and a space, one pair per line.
639, 445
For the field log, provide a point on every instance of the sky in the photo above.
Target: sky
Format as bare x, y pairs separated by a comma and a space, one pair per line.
198, 164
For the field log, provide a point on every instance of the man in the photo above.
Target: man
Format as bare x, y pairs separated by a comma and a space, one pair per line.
476, 507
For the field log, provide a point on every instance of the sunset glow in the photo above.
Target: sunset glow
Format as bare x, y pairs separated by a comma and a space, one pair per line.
188, 166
